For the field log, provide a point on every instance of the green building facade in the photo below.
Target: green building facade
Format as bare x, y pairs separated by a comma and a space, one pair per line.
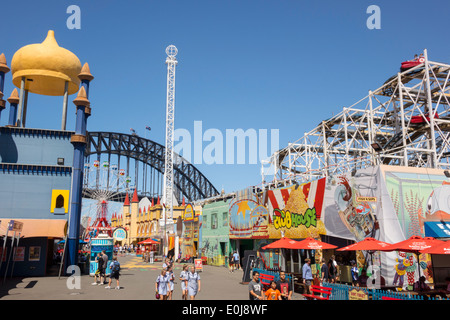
215, 240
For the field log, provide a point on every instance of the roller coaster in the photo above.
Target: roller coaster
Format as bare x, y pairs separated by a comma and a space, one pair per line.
405, 122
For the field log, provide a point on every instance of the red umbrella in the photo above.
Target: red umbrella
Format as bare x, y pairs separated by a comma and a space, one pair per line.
443, 248
368, 244
283, 243
414, 244
148, 241
313, 244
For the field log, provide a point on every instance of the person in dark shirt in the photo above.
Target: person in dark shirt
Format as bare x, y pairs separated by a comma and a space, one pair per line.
325, 273
284, 286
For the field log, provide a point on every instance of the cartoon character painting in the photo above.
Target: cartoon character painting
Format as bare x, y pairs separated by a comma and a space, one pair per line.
438, 205
356, 215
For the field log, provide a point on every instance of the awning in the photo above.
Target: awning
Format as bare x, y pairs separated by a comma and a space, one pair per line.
32, 228
437, 229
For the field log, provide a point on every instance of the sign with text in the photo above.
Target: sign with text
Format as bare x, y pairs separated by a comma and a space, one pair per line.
198, 265
188, 213
15, 225
357, 294
366, 199
120, 234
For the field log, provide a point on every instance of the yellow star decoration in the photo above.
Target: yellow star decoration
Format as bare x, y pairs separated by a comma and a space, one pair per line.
243, 207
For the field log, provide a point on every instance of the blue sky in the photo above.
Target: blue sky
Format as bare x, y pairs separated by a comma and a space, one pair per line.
257, 64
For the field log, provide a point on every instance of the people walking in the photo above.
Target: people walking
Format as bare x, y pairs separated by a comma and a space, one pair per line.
162, 285
105, 265
151, 256
193, 283
171, 282
325, 275
236, 260
332, 269
183, 279
115, 273
307, 275
98, 272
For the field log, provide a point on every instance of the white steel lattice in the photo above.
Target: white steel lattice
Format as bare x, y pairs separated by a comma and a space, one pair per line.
408, 119
171, 62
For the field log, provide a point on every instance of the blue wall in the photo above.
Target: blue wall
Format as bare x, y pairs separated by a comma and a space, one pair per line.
35, 146
29, 171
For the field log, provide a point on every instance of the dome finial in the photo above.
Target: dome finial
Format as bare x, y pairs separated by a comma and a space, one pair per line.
50, 39
81, 99
14, 98
85, 73
3, 65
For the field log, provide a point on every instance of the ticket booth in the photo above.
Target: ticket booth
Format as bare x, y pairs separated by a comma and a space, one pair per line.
102, 242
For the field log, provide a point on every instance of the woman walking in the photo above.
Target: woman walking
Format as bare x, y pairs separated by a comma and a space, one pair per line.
183, 279
162, 285
171, 277
194, 285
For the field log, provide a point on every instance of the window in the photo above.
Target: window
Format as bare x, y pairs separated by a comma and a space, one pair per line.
225, 218
214, 221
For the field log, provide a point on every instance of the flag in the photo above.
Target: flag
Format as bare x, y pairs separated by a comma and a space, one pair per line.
148, 128
132, 130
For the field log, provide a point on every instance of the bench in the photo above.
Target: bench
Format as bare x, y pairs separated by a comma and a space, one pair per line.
265, 279
389, 298
319, 290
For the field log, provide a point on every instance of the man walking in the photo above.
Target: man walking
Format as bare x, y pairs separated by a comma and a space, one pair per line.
105, 265
115, 269
98, 272
307, 275
236, 260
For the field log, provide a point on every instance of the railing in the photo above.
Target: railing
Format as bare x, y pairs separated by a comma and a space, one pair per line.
341, 292
276, 275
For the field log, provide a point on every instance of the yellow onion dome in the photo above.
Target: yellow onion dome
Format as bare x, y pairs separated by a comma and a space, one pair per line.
46, 67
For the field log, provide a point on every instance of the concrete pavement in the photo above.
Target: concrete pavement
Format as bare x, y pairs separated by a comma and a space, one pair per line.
137, 282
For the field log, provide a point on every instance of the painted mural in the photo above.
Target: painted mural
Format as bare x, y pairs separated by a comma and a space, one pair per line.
293, 212
418, 198
296, 211
355, 211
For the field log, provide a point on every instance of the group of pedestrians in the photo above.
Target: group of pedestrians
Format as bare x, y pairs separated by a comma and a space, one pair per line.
165, 282
100, 273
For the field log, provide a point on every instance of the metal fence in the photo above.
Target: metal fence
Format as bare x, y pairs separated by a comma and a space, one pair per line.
341, 292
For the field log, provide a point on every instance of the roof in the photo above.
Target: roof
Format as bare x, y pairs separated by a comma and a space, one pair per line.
33, 228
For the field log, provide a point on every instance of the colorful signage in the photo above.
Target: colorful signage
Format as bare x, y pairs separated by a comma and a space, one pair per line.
120, 234
188, 213
357, 294
198, 265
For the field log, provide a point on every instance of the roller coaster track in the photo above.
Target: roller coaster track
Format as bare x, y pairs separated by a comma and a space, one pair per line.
394, 116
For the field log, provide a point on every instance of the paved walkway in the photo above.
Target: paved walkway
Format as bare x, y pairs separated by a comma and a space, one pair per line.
137, 282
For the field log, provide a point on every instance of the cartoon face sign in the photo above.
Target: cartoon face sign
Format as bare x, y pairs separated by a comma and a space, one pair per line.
439, 202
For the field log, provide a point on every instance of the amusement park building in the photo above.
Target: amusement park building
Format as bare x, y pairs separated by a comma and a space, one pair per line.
141, 219
38, 167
